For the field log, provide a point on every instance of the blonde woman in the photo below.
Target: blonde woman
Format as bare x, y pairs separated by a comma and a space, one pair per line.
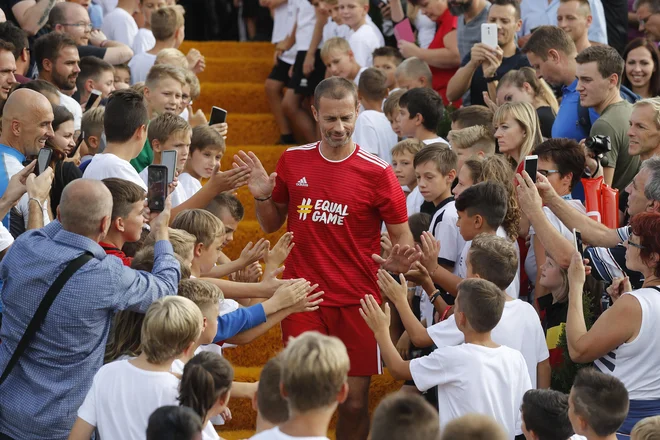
517, 130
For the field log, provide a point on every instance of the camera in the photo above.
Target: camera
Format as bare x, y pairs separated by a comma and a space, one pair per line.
598, 144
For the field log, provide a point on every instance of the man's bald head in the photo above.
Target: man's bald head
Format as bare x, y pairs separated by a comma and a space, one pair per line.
61, 11
27, 121
86, 208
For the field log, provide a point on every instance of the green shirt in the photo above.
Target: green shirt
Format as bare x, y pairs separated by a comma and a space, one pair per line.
144, 159
614, 122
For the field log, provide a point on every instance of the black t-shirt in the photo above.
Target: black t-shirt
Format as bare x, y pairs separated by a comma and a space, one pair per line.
546, 118
479, 84
91, 51
6, 6
616, 21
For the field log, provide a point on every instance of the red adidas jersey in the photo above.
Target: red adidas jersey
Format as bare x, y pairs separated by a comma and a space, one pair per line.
335, 210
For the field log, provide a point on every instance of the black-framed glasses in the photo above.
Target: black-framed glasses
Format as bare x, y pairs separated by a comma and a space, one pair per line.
546, 173
635, 245
88, 26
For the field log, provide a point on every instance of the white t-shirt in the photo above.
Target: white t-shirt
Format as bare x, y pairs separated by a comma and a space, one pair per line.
123, 397
435, 140
276, 434
414, 201
144, 41
332, 29
305, 16
74, 107
23, 208
426, 29
475, 379
363, 42
282, 24
189, 186
444, 229
209, 432
356, 81
6, 239
140, 65
119, 25
519, 328
108, 5
374, 134
107, 165
379, 34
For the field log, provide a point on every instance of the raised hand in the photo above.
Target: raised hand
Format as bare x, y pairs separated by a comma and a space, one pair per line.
430, 250
385, 244
290, 294
529, 198
252, 253
377, 319
399, 260
17, 184
275, 257
229, 180
38, 187
310, 302
392, 290
259, 183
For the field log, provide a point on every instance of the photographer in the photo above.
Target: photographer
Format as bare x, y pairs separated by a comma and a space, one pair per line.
599, 70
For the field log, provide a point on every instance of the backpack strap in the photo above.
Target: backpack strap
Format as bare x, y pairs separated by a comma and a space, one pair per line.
42, 310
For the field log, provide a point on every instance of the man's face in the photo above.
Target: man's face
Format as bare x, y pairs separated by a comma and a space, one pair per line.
37, 129
65, 68
336, 119
148, 7
593, 88
352, 13
433, 9
7, 70
643, 134
133, 223
549, 69
165, 97
459, 7
339, 63
105, 83
179, 142
649, 23
573, 19
507, 23
637, 201
407, 125
231, 224
78, 25
387, 65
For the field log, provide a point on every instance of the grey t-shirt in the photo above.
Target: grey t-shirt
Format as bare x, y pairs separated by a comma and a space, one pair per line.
469, 34
614, 122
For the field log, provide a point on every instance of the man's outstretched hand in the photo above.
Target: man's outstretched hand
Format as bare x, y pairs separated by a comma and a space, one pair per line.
260, 184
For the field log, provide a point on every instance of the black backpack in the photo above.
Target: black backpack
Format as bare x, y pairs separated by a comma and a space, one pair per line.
584, 121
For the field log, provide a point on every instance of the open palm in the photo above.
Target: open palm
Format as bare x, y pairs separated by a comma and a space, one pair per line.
260, 184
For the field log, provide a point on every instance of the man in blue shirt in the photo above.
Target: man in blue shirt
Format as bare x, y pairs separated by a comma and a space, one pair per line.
551, 52
43, 392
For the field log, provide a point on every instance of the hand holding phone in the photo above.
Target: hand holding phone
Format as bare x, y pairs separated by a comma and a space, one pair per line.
94, 97
218, 116
531, 166
169, 159
489, 34
157, 188
577, 241
43, 160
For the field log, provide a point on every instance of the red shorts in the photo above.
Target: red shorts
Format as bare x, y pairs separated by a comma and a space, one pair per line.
345, 323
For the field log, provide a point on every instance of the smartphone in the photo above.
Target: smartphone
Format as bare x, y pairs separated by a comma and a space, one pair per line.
157, 188
169, 159
93, 97
489, 34
531, 166
81, 137
43, 160
577, 241
218, 115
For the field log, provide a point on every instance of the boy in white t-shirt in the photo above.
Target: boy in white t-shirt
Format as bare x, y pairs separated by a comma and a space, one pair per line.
125, 393
387, 59
144, 39
119, 24
545, 415
372, 129
403, 156
125, 127
404, 415
339, 60
421, 110
314, 382
272, 409
478, 376
364, 38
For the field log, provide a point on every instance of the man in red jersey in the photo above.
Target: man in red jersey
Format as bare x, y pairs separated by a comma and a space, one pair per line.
335, 197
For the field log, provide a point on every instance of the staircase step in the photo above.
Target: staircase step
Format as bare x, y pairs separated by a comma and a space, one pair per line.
252, 129
224, 70
230, 49
235, 97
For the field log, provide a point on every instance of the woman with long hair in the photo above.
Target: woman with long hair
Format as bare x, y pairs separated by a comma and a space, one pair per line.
522, 85
641, 72
517, 130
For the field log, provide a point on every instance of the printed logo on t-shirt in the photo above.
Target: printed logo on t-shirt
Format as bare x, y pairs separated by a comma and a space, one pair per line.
322, 211
302, 182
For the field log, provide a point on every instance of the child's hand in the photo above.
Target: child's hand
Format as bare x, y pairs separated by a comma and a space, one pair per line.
222, 128
377, 320
399, 260
418, 274
252, 273
229, 180
429, 250
289, 294
394, 291
252, 253
276, 256
226, 415
310, 302
385, 244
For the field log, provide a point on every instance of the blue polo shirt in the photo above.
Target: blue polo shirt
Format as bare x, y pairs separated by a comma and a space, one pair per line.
566, 123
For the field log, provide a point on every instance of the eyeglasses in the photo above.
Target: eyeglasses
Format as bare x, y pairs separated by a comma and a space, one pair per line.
547, 172
635, 245
88, 26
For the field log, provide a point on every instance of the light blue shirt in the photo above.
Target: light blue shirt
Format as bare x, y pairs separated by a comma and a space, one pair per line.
96, 15
537, 13
42, 394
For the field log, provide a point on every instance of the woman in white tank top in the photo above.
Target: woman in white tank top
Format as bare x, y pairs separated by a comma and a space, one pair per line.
625, 340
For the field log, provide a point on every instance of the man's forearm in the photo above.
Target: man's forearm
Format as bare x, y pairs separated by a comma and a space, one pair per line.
440, 58
593, 232
35, 215
5, 207
460, 82
268, 215
117, 53
199, 200
35, 16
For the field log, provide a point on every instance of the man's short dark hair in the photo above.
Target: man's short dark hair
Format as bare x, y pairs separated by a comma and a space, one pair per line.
567, 154
272, 406
404, 415
229, 202
388, 51
426, 102
545, 38
607, 59
373, 84
11, 33
488, 199
545, 412
600, 399
48, 47
334, 88
482, 302
91, 67
174, 423
440, 154
514, 3
124, 194
472, 115
6, 45
125, 112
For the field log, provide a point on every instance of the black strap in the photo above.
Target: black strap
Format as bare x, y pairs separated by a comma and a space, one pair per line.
42, 310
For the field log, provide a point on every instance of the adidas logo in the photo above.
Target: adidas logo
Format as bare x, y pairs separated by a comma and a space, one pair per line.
302, 182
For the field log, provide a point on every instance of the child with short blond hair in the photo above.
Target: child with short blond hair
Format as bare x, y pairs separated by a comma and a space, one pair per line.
364, 39
340, 61
472, 141
403, 157
125, 393
209, 233
646, 429
474, 427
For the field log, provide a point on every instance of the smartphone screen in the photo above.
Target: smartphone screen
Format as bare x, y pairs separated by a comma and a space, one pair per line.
531, 166
218, 115
43, 160
169, 159
157, 188
93, 97
81, 137
577, 241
